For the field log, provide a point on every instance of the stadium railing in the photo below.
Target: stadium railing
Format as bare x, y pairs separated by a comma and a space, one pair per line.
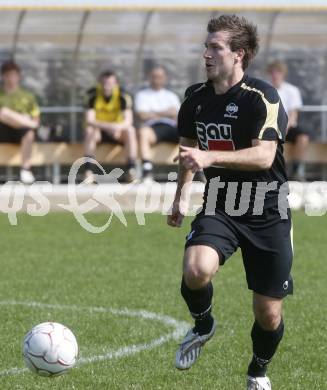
54, 155
57, 154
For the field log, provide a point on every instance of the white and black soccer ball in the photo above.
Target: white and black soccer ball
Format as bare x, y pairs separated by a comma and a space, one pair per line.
50, 349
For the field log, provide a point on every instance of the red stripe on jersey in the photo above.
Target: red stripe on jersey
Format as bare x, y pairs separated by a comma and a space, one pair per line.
220, 144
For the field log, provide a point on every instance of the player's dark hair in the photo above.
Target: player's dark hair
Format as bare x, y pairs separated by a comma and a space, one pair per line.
9, 66
243, 35
106, 74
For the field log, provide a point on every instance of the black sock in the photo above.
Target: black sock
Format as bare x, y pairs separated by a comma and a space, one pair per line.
131, 163
265, 344
199, 304
295, 166
88, 166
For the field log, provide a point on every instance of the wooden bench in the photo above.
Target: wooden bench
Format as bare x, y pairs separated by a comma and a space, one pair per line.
57, 154
54, 155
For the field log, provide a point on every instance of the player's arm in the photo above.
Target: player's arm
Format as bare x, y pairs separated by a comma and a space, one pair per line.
258, 157
184, 179
169, 113
128, 118
91, 120
188, 138
17, 120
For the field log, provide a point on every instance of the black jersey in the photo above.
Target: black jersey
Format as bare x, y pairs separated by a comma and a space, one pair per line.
251, 109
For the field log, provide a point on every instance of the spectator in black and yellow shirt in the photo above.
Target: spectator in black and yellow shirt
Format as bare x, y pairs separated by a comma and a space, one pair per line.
19, 116
109, 118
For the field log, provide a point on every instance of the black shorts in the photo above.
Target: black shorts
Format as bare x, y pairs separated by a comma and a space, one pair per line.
107, 138
266, 247
294, 132
165, 133
11, 135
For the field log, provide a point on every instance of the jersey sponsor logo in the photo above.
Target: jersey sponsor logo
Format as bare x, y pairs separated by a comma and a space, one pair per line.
215, 136
231, 110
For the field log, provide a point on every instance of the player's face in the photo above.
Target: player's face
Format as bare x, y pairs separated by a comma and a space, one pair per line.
11, 79
219, 59
158, 78
277, 77
108, 84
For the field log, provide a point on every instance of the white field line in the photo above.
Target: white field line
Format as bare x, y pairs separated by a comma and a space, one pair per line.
179, 328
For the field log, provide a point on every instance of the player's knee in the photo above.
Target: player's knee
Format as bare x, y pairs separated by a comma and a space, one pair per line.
89, 131
145, 133
128, 133
268, 318
197, 274
4, 111
29, 136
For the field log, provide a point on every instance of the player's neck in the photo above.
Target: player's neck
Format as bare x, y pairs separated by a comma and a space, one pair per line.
222, 85
10, 89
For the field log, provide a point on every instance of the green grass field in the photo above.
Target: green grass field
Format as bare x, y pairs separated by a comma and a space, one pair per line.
52, 260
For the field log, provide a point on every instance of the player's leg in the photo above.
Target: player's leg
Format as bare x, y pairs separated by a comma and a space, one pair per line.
147, 138
27, 139
201, 263
298, 139
127, 137
16, 120
92, 136
299, 148
267, 255
212, 241
267, 332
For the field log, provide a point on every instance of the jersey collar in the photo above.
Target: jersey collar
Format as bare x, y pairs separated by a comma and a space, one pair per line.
231, 91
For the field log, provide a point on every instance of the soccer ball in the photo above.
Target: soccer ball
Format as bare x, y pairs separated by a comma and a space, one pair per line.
50, 349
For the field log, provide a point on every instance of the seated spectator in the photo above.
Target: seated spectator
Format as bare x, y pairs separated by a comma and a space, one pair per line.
157, 110
291, 98
19, 116
109, 118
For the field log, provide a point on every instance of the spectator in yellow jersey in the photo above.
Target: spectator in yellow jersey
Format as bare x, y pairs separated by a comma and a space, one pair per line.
109, 118
19, 116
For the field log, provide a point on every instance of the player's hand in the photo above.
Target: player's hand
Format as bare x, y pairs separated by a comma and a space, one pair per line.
195, 159
175, 219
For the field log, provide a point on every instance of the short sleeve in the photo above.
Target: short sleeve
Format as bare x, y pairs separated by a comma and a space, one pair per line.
269, 120
175, 101
126, 102
295, 100
186, 124
141, 102
90, 99
34, 109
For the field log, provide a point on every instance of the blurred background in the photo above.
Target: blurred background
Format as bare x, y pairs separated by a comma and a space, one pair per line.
63, 45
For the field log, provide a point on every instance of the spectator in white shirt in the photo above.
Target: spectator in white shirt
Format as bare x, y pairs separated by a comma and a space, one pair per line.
291, 98
156, 108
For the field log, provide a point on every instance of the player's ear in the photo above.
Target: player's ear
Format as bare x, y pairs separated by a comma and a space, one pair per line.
239, 55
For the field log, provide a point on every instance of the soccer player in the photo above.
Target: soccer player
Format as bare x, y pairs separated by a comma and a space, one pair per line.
19, 116
233, 126
157, 109
291, 98
109, 118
